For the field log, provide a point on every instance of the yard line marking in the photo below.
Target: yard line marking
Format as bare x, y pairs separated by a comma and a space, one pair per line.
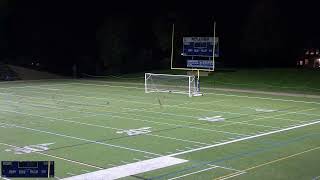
273, 161
140, 103
85, 170
243, 122
196, 145
100, 126
218, 94
246, 138
71, 174
57, 157
179, 139
178, 177
228, 168
86, 140
116, 112
148, 157
137, 159
275, 99
268, 117
233, 175
155, 122
126, 162
264, 98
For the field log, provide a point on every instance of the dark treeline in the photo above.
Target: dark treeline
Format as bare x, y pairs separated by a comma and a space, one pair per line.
125, 37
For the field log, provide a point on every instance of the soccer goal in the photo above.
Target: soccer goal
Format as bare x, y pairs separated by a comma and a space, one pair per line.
181, 84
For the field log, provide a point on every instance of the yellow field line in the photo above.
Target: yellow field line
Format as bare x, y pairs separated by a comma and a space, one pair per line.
267, 163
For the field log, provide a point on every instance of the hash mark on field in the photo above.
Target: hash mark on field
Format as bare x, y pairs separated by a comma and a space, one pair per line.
148, 157
126, 162
85, 170
71, 174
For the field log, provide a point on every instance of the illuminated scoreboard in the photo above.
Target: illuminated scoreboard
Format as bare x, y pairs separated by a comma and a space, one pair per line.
200, 46
27, 169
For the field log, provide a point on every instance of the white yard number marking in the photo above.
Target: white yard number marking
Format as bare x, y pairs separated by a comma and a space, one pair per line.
30, 148
133, 132
5, 126
212, 119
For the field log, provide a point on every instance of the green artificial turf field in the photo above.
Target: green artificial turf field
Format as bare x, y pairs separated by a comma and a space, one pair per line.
84, 126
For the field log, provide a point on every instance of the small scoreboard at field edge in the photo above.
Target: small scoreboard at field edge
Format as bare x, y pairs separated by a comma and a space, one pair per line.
27, 169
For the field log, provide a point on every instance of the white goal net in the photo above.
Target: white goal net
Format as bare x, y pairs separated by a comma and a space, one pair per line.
182, 84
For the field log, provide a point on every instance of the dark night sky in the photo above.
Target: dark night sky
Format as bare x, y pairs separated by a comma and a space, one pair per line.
66, 31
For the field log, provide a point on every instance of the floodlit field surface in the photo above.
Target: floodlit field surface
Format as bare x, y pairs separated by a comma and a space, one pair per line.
84, 126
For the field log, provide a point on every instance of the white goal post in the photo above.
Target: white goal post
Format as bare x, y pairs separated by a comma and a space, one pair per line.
181, 84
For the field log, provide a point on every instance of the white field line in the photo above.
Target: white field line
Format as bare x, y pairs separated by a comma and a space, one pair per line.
162, 123
178, 139
178, 115
222, 167
57, 157
101, 126
155, 104
217, 94
178, 177
71, 174
130, 169
316, 121
236, 122
83, 139
95, 114
266, 117
4, 178
148, 157
233, 175
144, 98
118, 100
85, 170
264, 98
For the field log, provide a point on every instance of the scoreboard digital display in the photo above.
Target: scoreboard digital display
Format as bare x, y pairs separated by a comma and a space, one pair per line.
200, 46
27, 169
